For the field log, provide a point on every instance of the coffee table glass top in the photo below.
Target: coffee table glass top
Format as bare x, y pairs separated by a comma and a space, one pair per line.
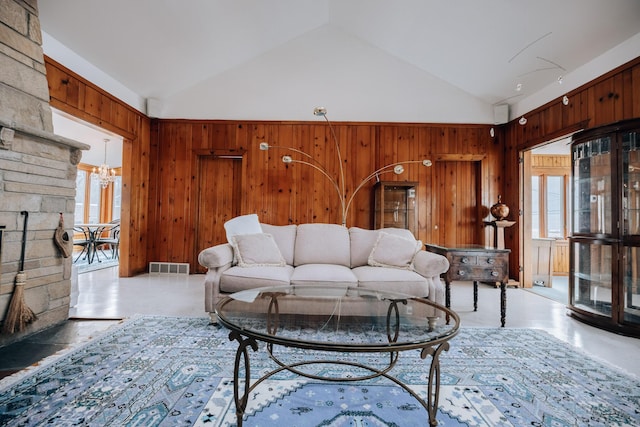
337, 318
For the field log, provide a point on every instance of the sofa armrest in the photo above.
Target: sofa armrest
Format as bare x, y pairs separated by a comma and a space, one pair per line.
216, 259
216, 256
429, 264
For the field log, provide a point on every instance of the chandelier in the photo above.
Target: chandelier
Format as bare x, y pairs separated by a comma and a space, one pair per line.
339, 185
103, 173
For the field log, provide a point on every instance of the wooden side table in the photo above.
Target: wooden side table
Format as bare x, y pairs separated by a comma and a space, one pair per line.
475, 264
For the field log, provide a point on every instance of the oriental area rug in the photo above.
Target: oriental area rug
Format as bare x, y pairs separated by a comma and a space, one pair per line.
178, 371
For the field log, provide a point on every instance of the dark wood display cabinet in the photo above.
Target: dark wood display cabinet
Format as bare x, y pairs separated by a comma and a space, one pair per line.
604, 276
394, 205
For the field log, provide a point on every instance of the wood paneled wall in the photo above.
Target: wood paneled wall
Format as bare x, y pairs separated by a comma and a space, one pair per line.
612, 97
80, 98
161, 163
293, 194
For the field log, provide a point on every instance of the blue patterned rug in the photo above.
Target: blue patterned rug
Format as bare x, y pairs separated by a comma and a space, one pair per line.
164, 371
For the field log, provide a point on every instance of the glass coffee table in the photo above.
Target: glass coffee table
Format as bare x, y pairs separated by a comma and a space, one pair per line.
332, 320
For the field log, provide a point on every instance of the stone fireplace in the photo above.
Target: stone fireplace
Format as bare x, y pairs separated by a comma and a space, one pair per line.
37, 174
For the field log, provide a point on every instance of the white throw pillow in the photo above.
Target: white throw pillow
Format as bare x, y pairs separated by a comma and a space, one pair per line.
257, 250
244, 224
393, 251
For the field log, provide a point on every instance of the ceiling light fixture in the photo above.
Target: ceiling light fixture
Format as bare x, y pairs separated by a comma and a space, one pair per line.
339, 184
103, 173
519, 87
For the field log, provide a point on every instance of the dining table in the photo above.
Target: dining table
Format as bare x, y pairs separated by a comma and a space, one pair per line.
91, 231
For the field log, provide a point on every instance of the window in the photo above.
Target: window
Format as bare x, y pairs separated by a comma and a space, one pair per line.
81, 191
117, 198
555, 202
535, 207
550, 206
93, 203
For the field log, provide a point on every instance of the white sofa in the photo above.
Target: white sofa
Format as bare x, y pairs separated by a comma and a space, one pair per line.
322, 254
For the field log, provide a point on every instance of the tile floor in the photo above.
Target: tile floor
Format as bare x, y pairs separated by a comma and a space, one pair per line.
104, 299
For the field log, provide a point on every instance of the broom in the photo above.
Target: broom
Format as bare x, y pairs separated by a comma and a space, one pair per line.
19, 315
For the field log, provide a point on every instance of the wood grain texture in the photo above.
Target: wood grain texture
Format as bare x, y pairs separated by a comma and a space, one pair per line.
161, 172
611, 97
78, 97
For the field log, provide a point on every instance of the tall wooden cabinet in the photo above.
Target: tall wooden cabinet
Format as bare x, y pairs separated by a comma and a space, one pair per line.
395, 205
604, 277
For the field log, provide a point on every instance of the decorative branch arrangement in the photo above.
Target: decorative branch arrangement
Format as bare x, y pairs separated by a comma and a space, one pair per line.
339, 185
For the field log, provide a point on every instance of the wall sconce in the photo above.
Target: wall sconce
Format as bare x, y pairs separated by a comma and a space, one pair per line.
565, 100
522, 121
339, 185
492, 132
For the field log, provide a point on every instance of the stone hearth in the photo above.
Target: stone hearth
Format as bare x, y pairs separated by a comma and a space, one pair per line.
37, 173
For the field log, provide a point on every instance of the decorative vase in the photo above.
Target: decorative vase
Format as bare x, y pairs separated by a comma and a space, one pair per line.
499, 211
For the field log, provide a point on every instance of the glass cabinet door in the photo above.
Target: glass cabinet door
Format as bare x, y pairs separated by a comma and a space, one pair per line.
631, 184
604, 276
631, 283
631, 227
395, 205
592, 187
591, 281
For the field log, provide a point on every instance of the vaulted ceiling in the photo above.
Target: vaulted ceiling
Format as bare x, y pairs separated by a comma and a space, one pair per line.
368, 60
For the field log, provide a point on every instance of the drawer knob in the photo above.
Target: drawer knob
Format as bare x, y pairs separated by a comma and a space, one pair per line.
491, 261
461, 273
495, 273
465, 260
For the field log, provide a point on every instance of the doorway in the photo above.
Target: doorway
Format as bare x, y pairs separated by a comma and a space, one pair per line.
96, 201
219, 199
546, 201
456, 203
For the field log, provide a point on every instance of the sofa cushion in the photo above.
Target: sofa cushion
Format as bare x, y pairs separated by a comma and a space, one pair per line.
362, 242
285, 237
393, 251
392, 280
254, 250
240, 278
323, 274
244, 224
322, 244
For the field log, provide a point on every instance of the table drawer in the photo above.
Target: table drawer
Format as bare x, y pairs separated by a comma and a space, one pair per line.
496, 261
464, 259
480, 274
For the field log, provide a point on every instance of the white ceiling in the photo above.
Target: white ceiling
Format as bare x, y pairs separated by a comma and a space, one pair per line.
365, 60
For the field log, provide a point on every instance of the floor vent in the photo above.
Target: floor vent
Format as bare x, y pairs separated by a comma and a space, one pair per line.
168, 268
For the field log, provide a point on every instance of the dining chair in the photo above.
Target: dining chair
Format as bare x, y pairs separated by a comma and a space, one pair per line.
111, 241
84, 242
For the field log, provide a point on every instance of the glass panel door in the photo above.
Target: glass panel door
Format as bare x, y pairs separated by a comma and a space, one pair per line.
631, 227
631, 298
592, 187
591, 284
631, 184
